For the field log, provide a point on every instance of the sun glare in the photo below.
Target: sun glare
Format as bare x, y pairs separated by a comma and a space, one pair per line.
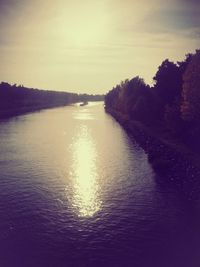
85, 199
88, 25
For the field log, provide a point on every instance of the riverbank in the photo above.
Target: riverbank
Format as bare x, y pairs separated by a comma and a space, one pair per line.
16, 100
12, 112
7, 113
165, 156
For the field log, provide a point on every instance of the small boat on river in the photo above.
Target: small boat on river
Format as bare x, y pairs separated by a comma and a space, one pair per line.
84, 103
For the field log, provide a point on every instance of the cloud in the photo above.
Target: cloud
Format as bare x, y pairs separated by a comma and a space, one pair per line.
8, 9
190, 2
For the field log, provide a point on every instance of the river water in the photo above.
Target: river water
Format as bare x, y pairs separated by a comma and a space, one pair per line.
76, 190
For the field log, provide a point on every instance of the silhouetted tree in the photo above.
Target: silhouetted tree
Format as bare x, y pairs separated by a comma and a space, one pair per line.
168, 81
168, 104
134, 99
19, 99
190, 108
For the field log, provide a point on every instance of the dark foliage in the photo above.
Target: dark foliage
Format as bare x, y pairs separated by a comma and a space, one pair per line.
16, 100
171, 106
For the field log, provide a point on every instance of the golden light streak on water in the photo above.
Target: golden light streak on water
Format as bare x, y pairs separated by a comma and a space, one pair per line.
85, 174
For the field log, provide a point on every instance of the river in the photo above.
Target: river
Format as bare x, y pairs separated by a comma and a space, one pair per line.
76, 190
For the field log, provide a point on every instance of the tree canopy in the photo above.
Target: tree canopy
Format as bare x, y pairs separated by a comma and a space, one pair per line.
171, 103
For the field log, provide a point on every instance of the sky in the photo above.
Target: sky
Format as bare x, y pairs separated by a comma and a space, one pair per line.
89, 46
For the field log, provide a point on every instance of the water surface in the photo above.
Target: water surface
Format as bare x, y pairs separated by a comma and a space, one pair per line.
76, 190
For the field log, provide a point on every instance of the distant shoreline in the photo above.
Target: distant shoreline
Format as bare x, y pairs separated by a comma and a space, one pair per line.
17, 100
9, 113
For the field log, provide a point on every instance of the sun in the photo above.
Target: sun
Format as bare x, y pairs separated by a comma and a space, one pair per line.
85, 32
83, 26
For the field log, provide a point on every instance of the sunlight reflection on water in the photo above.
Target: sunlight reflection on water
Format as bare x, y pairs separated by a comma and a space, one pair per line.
84, 174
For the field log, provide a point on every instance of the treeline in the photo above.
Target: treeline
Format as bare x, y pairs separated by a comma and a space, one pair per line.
17, 99
170, 107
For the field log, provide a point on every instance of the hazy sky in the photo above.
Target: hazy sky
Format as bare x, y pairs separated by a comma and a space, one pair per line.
90, 45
